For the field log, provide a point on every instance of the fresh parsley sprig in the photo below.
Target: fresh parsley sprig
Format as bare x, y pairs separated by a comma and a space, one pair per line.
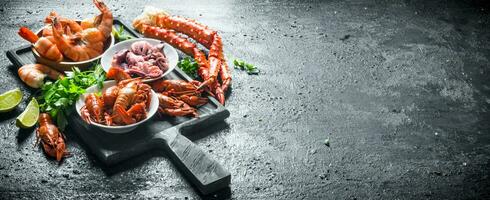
120, 35
58, 97
189, 66
249, 68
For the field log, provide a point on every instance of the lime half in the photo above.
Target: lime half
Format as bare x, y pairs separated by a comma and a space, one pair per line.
10, 99
29, 117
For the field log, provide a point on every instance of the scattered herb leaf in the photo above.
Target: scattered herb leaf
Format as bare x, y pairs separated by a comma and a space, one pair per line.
189, 66
327, 142
58, 97
120, 35
249, 68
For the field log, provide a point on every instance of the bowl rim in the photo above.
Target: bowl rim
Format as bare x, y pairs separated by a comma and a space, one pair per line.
154, 102
112, 43
170, 68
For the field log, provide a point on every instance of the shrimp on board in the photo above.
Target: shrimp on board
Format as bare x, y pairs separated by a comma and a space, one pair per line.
33, 74
63, 37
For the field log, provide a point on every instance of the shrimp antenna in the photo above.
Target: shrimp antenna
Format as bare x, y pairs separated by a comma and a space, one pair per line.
56, 21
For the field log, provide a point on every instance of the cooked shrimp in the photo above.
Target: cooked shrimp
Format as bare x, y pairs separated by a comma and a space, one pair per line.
88, 43
47, 31
44, 46
74, 48
66, 23
93, 38
104, 21
88, 22
34, 74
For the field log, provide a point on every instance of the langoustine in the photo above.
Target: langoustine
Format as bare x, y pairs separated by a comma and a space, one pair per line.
178, 97
51, 138
187, 92
174, 107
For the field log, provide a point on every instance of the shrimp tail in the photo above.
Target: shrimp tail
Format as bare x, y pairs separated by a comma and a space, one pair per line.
101, 5
28, 35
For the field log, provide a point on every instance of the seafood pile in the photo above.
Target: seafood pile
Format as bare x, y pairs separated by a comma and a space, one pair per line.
66, 38
142, 60
129, 100
122, 104
158, 24
176, 97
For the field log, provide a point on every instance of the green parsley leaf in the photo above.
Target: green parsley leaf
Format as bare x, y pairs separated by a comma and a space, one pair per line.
120, 35
242, 65
189, 66
58, 97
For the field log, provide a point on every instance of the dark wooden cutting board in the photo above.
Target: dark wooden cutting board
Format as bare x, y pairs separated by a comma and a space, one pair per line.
158, 133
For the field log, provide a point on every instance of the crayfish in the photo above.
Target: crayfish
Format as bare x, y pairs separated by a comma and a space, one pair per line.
50, 137
187, 92
177, 96
122, 104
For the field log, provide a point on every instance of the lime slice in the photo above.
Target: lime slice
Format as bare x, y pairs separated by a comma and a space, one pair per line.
29, 117
10, 99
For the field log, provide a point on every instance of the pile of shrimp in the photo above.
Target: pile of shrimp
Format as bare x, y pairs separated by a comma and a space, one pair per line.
142, 59
65, 38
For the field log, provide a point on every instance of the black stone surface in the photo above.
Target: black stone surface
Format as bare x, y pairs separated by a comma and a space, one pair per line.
400, 89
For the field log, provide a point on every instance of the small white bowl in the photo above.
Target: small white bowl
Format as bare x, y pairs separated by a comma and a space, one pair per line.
169, 51
117, 129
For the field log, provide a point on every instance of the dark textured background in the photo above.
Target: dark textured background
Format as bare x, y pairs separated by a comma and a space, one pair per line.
401, 88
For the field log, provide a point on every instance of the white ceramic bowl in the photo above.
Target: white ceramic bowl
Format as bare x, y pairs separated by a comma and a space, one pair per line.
117, 129
66, 65
169, 51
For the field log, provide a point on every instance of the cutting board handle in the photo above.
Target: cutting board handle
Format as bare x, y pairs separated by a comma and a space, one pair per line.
201, 170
